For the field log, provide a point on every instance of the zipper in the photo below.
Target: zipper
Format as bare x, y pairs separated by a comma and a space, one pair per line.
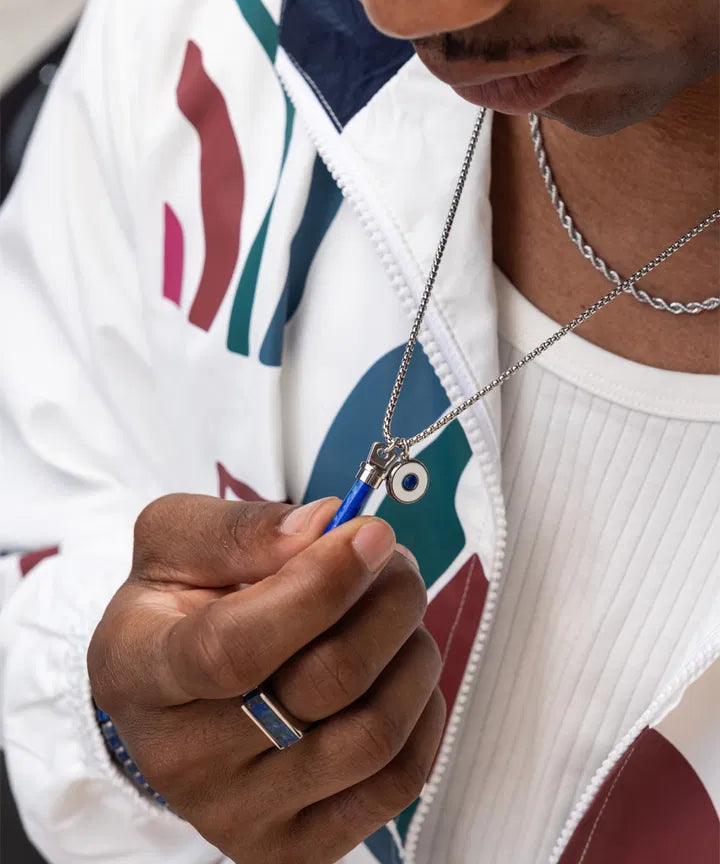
477, 424
655, 713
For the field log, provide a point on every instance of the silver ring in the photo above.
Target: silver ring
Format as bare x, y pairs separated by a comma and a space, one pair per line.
270, 719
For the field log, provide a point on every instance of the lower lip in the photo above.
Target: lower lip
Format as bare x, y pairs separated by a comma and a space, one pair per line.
522, 94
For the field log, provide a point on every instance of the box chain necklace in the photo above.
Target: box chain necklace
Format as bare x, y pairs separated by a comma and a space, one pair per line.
389, 461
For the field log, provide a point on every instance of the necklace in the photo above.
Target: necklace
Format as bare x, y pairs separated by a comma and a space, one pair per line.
693, 307
389, 461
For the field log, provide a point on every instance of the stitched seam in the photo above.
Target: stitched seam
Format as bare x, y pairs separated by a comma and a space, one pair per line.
316, 90
466, 591
605, 802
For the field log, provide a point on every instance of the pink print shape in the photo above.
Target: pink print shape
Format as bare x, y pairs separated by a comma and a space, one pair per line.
174, 256
222, 184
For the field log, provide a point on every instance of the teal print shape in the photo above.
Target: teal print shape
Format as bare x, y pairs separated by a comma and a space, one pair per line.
403, 820
323, 203
261, 23
265, 29
358, 423
238, 339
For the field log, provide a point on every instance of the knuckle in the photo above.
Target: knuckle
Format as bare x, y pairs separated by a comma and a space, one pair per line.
378, 737
412, 589
320, 582
336, 673
241, 528
224, 664
107, 663
151, 521
405, 781
150, 536
103, 681
425, 644
247, 525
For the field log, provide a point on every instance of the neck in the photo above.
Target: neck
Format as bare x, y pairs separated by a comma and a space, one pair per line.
663, 174
631, 194
690, 123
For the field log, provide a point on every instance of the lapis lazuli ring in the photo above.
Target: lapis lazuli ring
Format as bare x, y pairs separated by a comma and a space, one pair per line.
270, 719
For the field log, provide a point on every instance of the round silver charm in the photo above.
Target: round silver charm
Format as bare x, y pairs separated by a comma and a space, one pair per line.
408, 481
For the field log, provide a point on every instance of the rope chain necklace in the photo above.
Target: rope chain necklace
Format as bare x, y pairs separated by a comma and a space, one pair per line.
694, 307
389, 461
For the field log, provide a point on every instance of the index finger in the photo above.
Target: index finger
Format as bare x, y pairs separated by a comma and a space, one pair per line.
201, 541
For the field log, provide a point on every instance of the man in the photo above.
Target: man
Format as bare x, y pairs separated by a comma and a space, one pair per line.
210, 266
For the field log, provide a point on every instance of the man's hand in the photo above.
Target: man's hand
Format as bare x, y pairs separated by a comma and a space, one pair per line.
332, 623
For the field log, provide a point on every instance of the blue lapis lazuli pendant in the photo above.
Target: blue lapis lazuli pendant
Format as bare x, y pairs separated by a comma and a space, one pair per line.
406, 480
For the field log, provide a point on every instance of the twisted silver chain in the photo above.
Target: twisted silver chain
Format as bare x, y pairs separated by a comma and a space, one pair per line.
693, 307
403, 444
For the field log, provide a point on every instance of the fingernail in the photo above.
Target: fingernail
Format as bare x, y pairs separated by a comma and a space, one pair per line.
375, 542
297, 520
403, 550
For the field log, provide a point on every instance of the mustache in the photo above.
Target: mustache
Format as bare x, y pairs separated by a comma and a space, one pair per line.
472, 45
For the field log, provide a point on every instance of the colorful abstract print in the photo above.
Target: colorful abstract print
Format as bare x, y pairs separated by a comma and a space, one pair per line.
222, 185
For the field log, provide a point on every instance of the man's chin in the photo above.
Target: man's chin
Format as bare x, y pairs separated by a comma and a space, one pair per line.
598, 113
593, 103
592, 113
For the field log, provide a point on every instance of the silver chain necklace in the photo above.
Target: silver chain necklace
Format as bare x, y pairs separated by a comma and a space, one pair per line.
693, 307
389, 461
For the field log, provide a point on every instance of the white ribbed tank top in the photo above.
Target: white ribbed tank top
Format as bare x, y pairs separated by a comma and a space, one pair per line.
611, 473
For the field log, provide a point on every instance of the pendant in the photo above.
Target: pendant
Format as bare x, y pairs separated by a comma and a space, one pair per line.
407, 481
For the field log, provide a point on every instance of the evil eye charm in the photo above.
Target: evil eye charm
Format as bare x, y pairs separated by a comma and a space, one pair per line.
408, 481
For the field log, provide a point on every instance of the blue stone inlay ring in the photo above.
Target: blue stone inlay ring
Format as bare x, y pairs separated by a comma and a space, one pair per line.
270, 719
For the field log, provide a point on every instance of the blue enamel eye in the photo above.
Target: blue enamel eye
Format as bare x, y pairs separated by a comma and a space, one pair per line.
407, 481
410, 482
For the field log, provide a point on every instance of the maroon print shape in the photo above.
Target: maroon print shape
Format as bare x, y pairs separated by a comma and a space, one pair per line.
651, 809
32, 559
242, 490
453, 618
222, 183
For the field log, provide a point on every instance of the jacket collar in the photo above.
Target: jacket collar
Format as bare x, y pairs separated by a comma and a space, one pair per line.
334, 46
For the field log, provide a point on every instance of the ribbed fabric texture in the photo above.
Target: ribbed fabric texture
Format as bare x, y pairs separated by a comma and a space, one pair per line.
613, 552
